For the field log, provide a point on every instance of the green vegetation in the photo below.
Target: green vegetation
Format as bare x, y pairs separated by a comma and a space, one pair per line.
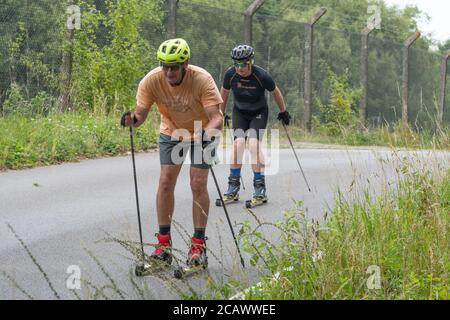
60, 137
112, 52
117, 41
403, 235
389, 135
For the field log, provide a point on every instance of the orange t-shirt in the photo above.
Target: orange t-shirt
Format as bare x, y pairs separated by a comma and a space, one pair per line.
179, 105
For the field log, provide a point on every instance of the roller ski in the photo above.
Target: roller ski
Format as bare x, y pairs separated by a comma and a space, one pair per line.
160, 259
197, 260
259, 197
232, 194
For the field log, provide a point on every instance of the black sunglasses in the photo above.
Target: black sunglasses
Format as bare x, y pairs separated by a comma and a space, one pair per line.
173, 66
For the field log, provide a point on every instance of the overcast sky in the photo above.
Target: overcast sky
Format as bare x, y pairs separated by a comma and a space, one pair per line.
439, 12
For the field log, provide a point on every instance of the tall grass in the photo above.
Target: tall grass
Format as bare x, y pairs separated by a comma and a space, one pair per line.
389, 135
393, 247
60, 137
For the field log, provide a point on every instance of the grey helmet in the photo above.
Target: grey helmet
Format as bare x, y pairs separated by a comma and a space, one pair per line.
242, 52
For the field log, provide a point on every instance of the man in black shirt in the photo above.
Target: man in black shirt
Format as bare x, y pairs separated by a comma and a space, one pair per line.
250, 112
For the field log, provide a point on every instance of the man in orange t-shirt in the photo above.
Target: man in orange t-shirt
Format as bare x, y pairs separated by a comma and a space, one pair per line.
188, 101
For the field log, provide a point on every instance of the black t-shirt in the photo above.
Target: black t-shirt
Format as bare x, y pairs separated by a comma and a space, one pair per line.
248, 92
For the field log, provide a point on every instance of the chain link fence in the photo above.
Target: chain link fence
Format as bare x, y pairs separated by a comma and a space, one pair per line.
34, 29
30, 46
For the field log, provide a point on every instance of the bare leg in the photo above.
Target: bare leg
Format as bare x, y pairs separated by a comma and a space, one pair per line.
238, 153
200, 205
256, 155
164, 197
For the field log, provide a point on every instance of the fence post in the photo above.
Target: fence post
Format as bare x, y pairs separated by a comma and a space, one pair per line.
364, 73
405, 91
67, 57
309, 38
442, 89
248, 17
172, 19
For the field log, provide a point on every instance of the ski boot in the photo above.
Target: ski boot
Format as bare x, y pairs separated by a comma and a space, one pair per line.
163, 251
197, 259
159, 259
232, 193
259, 196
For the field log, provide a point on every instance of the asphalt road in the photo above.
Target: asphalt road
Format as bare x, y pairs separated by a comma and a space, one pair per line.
64, 215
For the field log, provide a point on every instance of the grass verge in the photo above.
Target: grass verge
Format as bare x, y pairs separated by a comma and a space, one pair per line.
62, 137
389, 135
391, 247
71, 136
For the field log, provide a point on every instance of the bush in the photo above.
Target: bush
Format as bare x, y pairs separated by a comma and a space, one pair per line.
340, 114
16, 104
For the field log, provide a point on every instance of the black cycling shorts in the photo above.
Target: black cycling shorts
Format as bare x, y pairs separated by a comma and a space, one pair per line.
250, 125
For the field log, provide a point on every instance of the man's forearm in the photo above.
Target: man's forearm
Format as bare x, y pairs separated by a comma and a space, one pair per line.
215, 119
215, 123
279, 99
224, 93
140, 114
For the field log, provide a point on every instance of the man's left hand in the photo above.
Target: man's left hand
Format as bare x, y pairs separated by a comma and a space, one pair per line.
284, 117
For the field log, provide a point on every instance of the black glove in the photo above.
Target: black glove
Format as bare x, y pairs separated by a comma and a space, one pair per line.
124, 116
226, 120
284, 117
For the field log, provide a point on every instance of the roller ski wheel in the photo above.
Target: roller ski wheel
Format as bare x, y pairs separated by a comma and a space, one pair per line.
186, 271
255, 202
197, 259
227, 199
232, 194
160, 259
142, 270
146, 269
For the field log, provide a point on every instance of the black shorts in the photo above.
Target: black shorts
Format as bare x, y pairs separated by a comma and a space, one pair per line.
173, 152
250, 125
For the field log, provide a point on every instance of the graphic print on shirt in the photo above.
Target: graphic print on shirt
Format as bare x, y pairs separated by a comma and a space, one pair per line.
176, 103
245, 84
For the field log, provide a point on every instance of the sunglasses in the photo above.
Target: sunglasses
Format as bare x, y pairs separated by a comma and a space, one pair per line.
172, 67
241, 64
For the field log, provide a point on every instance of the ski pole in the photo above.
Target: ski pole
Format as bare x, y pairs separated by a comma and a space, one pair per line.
226, 214
136, 191
232, 144
295, 153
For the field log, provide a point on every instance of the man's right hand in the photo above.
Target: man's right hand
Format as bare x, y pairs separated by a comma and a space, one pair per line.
127, 119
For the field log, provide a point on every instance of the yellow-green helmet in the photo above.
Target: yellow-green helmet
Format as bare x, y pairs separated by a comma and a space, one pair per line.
173, 51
